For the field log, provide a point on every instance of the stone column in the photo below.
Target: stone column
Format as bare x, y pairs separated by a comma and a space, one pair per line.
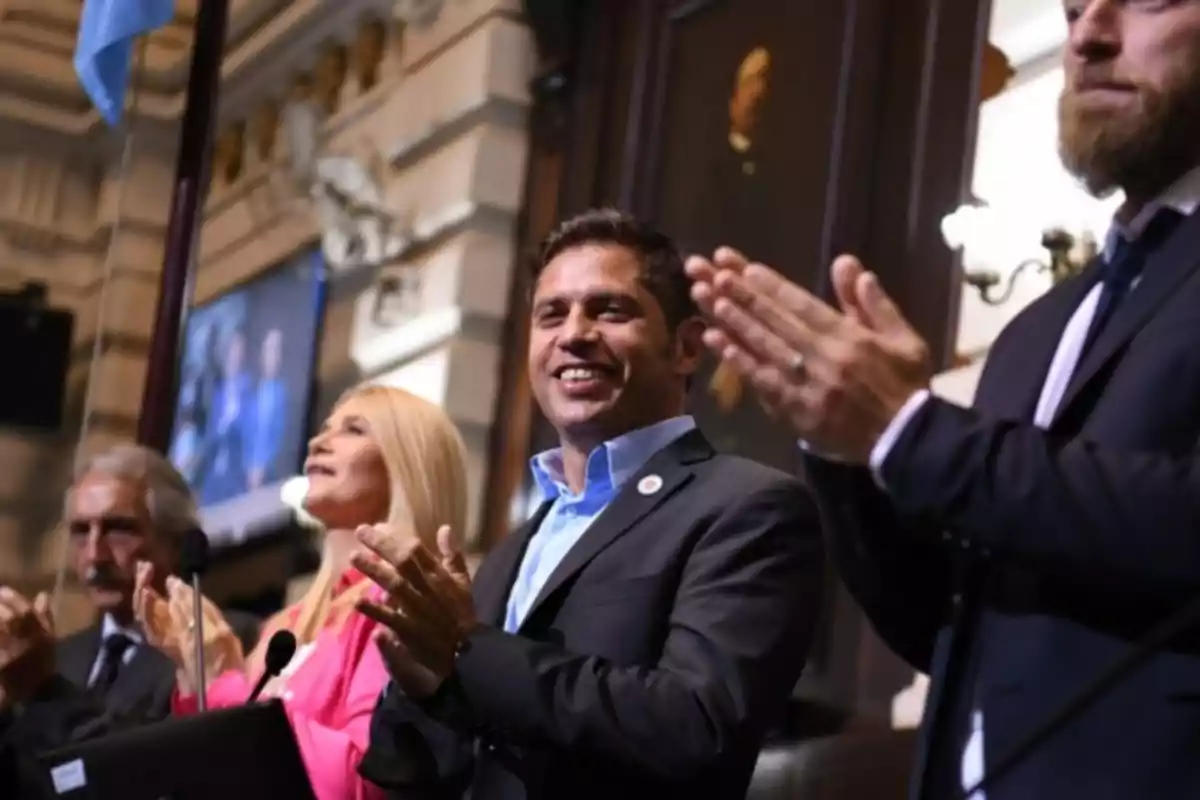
457, 134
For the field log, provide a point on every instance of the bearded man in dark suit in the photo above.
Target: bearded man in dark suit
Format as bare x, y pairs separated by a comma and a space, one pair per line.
1017, 549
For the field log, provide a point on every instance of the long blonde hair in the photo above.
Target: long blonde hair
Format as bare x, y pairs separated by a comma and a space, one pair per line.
425, 459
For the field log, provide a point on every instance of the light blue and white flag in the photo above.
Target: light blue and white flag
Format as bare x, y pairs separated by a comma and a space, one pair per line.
107, 30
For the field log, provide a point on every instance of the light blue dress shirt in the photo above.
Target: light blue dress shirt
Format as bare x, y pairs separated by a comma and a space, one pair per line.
609, 467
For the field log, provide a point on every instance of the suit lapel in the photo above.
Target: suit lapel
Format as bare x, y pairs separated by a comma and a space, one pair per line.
138, 680
1165, 270
1016, 374
628, 508
496, 575
78, 656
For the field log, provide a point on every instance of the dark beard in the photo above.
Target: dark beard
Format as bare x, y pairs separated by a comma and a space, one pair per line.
1142, 150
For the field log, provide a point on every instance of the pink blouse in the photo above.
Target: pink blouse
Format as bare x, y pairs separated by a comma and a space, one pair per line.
329, 699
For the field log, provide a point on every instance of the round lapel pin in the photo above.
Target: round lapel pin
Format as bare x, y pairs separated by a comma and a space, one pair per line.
649, 485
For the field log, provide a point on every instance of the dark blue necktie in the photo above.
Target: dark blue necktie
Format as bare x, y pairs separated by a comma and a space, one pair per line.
1125, 264
114, 647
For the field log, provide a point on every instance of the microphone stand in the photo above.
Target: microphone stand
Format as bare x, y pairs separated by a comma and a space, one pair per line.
1156, 640
198, 616
193, 562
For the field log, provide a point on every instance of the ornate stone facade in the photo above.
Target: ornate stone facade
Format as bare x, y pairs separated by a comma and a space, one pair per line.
438, 92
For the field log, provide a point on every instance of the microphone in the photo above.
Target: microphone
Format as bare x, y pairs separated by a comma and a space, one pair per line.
1161, 635
280, 650
193, 560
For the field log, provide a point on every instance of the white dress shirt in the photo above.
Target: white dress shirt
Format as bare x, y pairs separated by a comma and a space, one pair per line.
1184, 197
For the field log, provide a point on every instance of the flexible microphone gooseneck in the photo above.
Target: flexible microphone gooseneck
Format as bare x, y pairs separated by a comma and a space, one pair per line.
192, 563
1150, 645
280, 650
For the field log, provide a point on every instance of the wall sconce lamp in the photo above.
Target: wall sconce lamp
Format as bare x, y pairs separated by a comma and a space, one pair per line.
973, 226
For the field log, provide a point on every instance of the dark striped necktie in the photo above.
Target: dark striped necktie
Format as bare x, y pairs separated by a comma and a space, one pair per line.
1125, 264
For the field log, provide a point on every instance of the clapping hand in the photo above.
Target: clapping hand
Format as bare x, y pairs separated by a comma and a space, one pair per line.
428, 610
838, 377
168, 625
26, 645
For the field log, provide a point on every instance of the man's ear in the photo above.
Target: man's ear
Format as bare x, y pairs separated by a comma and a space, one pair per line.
689, 345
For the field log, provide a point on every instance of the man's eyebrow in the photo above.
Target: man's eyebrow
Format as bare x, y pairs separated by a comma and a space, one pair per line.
606, 295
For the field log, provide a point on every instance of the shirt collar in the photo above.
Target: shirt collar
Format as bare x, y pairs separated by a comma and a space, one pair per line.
611, 464
1182, 196
109, 626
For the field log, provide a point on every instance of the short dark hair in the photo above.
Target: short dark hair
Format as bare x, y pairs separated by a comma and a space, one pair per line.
659, 257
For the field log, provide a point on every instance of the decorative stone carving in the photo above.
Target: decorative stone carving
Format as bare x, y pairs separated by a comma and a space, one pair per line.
330, 75
395, 48
35, 58
229, 154
347, 194
398, 294
356, 228
369, 49
266, 129
418, 13
302, 88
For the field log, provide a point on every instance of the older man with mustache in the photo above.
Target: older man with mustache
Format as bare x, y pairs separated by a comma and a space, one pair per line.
1017, 549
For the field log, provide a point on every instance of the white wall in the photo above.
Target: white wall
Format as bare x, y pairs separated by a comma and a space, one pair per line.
1019, 175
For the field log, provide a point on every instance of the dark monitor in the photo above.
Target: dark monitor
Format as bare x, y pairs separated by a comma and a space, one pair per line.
37, 348
244, 753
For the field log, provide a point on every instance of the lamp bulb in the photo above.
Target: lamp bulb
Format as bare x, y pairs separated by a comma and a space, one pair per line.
961, 227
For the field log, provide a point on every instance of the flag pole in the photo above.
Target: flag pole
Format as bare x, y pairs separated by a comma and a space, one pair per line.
102, 314
192, 168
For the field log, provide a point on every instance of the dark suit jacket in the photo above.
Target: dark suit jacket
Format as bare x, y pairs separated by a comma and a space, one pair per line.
651, 663
144, 685
1029, 560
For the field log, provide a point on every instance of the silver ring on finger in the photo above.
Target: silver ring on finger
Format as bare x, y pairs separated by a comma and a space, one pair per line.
796, 364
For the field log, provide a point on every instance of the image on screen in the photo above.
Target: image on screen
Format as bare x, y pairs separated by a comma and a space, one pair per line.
245, 378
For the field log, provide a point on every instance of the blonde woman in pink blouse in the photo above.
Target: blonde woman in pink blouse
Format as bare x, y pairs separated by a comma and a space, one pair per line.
384, 455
